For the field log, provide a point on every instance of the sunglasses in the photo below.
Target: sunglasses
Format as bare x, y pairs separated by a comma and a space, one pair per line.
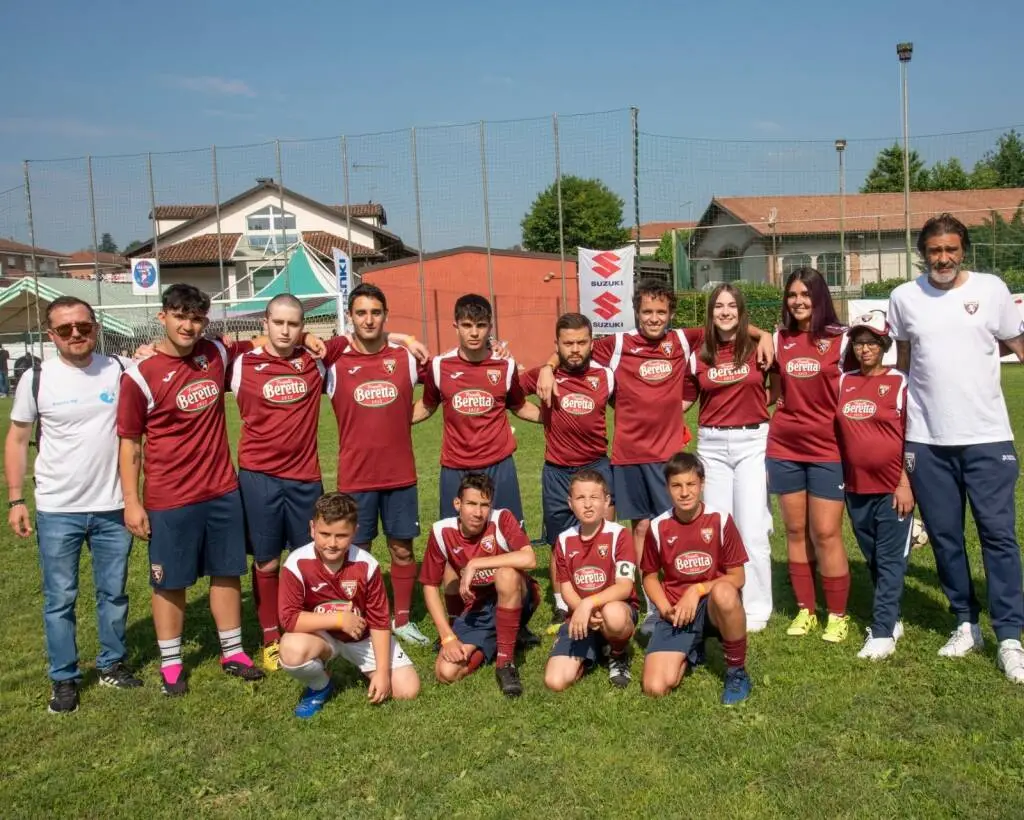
65, 331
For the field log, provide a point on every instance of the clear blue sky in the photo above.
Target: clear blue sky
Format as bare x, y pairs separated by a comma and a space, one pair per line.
110, 77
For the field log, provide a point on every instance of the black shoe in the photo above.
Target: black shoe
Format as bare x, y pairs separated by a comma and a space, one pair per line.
618, 670
508, 680
174, 690
119, 676
63, 698
525, 639
247, 672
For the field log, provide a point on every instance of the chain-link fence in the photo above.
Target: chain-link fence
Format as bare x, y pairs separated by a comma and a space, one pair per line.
749, 211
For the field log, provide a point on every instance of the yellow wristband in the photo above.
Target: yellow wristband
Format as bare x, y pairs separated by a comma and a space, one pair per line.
702, 590
447, 640
339, 615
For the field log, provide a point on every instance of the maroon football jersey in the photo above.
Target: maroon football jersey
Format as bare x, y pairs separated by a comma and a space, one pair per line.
307, 585
871, 423
279, 402
693, 553
649, 426
447, 545
372, 397
178, 405
803, 425
474, 397
575, 432
598, 563
729, 396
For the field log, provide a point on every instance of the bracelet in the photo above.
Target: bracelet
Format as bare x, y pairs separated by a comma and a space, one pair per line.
339, 619
15, 502
447, 640
702, 590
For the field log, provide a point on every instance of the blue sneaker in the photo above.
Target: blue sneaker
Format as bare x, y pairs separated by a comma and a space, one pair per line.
313, 700
737, 687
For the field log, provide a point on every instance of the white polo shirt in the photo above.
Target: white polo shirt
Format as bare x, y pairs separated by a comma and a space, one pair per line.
76, 469
955, 394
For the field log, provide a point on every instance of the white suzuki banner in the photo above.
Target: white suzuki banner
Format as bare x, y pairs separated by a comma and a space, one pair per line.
606, 289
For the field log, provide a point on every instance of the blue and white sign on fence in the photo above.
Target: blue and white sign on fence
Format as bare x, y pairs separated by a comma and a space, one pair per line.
343, 272
145, 277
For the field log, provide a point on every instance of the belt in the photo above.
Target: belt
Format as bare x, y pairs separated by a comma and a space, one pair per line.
734, 426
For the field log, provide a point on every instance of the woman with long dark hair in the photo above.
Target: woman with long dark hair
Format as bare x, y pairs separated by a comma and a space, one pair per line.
724, 377
803, 463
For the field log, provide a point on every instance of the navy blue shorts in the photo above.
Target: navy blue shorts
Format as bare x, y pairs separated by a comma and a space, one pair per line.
277, 512
820, 479
554, 482
187, 542
506, 488
640, 491
687, 639
479, 626
398, 510
589, 649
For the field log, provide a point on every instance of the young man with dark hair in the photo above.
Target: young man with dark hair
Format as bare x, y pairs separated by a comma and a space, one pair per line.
73, 400
476, 389
693, 572
596, 570
191, 510
277, 386
370, 381
575, 432
333, 604
481, 556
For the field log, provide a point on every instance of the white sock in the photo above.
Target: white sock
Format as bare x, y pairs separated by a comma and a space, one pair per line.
230, 642
170, 652
311, 673
560, 602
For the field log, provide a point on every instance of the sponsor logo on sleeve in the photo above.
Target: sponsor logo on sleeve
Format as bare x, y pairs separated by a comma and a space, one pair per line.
197, 396
576, 404
859, 409
375, 394
589, 579
284, 390
693, 563
655, 370
472, 402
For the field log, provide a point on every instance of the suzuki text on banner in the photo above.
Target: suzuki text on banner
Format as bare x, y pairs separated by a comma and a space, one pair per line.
606, 289
343, 272
145, 277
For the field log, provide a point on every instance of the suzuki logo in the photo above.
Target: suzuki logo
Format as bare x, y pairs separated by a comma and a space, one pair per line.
606, 305
606, 264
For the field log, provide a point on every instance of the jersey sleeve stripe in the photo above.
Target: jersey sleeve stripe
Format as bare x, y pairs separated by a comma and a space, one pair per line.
510, 371
613, 362
222, 352
332, 380
236, 374
438, 531
499, 536
140, 380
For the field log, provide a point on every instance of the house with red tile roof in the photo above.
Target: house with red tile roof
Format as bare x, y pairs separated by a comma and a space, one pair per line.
765, 238
651, 233
112, 267
235, 250
16, 260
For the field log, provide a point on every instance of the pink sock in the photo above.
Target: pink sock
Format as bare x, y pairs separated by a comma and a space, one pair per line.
237, 657
172, 673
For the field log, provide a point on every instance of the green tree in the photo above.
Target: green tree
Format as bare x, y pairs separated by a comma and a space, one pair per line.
1005, 165
984, 176
131, 246
107, 244
664, 250
886, 177
948, 176
997, 245
591, 217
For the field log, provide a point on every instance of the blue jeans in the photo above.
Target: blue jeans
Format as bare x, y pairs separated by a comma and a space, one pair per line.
61, 536
4, 384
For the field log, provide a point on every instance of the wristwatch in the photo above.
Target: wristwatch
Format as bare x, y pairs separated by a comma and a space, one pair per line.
15, 502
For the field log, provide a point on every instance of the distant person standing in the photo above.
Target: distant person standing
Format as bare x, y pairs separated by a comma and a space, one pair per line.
950, 326
77, 494
23, 363
5, 357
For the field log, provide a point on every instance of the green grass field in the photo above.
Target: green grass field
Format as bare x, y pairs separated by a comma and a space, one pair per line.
824, 735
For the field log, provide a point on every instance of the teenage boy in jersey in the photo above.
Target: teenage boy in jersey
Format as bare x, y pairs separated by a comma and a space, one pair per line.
950, 326
190, 510
596, 571
476, 389
77, 495
370, 382
277, 387
333, 604
484, 554
649, 365
575, 432
693, 572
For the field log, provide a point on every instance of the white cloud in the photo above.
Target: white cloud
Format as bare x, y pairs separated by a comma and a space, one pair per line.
212, 85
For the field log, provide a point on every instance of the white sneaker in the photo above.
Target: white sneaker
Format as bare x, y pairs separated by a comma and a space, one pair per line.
411, 633
647, 624
963, 640
897, 631
1011, 660
756, 626
875, 649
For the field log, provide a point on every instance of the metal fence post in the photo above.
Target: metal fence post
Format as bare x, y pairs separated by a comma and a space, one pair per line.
95, 249
284, 235
487, 217
35, 258
419, 234
156, 231
558, 195
216, 214
634, 114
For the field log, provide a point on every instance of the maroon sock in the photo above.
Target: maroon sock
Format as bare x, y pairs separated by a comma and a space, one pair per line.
264, 593
837, 591
476, 660
507, 622
801, 576
403, 579
618, 646
735, 652
454, 605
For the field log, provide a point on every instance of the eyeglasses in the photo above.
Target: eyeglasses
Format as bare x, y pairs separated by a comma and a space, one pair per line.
83, 328
871, 343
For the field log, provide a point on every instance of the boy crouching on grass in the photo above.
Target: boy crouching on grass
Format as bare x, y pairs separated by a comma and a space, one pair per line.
595, 568
331, 594
693, 572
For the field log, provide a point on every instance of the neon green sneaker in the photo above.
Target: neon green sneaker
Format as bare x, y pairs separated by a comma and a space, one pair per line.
272, 656
837, 628
803, 624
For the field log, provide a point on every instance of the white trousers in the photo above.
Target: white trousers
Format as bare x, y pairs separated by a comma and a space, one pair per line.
736, 483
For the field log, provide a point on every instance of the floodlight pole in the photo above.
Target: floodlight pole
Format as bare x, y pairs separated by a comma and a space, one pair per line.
841, 150
904, 51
